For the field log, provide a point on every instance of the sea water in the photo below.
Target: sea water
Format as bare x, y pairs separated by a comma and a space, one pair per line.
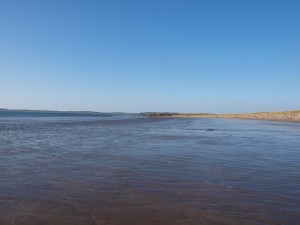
137, 170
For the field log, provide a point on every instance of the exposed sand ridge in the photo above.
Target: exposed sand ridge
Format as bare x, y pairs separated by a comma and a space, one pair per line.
280, 116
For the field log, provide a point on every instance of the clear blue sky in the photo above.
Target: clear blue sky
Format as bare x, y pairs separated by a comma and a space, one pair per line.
154, 55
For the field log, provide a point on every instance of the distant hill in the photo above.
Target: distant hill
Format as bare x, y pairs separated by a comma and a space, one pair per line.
48, 113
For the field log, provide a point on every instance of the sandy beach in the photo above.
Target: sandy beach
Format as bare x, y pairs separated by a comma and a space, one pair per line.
288, 116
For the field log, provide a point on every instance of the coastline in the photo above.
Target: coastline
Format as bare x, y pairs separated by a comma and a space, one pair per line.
287, 116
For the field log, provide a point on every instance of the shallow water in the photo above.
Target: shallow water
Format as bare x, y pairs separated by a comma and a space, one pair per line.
135, 170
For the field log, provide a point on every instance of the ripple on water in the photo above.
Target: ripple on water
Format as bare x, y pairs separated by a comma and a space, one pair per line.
148, 171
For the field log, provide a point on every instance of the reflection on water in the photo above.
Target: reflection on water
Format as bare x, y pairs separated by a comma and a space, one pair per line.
148, 171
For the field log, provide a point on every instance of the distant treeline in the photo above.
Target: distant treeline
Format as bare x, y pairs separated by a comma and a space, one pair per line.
159, 114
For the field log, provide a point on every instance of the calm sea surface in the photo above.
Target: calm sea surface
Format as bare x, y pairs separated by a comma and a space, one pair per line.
136, 170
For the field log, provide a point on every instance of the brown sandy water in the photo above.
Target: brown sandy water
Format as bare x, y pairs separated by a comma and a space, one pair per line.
62, 171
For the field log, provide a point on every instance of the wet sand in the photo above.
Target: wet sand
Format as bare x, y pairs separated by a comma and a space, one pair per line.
107, 206
120, 195
64, 201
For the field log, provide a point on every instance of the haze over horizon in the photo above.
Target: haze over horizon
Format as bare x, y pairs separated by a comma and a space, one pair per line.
138, 56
